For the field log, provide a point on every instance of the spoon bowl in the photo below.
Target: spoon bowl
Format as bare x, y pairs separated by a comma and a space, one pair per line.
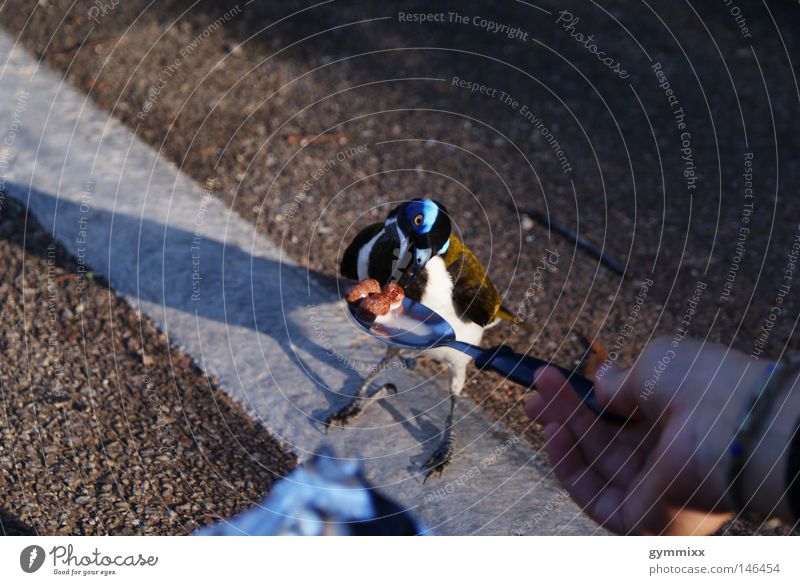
412, 325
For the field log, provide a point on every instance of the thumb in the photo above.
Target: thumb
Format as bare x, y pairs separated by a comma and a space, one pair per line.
616, 390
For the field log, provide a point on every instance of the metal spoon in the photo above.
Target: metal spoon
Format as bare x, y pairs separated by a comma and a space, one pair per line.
412, 325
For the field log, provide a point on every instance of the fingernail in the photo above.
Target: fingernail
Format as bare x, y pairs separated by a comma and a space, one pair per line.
607, 385
531, 407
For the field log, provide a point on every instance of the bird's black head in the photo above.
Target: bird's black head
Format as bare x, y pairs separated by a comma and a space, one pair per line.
423, 227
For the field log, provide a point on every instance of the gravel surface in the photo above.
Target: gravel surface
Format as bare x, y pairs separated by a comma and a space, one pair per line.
107, 428
313, 138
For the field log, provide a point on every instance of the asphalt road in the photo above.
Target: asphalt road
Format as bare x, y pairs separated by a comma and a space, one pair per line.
107, 428
677, 154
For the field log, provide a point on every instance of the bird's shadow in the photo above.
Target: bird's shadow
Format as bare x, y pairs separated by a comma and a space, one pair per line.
419, 426
152, 263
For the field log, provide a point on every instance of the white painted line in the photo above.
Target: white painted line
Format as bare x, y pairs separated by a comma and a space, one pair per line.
254, 319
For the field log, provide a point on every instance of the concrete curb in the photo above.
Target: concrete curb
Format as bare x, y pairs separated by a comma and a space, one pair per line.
278, 341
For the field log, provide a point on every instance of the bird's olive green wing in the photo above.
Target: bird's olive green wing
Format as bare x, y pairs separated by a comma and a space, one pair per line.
474, 295
348, 268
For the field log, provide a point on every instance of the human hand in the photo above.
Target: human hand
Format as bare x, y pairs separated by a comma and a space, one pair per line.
666, 470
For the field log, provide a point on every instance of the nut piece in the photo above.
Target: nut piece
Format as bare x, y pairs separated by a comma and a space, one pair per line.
394, 292
362, 290
375, 305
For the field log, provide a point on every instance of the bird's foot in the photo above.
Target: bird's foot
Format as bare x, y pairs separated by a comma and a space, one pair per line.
440, 459
409, 363
347, 414
353, 409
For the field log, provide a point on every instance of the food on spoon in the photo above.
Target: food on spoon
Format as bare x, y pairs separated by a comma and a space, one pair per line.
374, 306
394, 292
371, 301
362, 290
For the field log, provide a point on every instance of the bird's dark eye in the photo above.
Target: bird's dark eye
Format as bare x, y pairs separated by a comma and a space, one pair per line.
418, 219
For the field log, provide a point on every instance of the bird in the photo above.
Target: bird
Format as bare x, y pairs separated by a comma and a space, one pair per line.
416, 247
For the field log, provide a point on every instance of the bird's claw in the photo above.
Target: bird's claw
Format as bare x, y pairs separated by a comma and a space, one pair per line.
439, 459
409, 363
353, 409
345, 415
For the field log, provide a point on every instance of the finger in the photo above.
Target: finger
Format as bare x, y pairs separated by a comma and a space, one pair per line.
601, 500
658, 499
534, 407
616, 452
618, 390
695, 523
561, 401
567, 406
647, 502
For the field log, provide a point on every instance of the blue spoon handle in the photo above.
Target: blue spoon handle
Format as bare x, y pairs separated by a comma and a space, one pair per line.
520, 369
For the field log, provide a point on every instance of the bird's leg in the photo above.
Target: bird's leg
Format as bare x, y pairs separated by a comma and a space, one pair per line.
440, 458
355, 407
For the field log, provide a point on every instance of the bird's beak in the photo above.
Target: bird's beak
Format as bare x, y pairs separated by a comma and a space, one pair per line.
419, 258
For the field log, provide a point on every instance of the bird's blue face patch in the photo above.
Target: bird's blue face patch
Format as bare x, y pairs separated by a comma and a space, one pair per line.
422, 215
